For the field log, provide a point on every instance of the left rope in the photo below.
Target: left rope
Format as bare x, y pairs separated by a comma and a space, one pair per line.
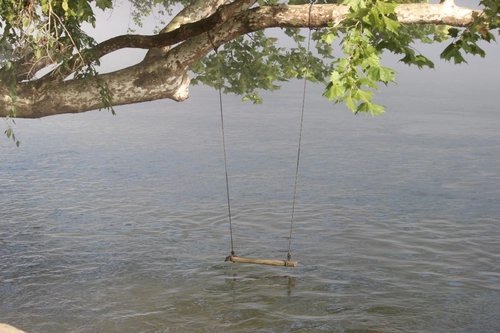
219, 76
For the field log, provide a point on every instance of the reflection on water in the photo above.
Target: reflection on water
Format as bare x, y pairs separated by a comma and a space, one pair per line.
282, 282
119, 224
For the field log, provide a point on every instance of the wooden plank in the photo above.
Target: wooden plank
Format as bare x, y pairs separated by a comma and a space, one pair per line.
262, 261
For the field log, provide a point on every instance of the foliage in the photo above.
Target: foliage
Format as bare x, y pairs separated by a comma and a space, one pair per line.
9, 132
466, 40
347, 55
255, 62
370, 29
47, 28
46, 32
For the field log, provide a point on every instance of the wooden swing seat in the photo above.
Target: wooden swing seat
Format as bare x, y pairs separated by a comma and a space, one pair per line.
285, 263
233, 257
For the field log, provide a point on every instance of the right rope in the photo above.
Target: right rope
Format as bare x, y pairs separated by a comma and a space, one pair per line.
289, 255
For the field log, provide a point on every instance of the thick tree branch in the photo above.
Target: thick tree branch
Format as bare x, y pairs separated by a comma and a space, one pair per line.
318, 16
285, 16
166, 77
322, 15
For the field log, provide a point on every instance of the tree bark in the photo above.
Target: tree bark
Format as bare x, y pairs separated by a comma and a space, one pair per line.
166, 76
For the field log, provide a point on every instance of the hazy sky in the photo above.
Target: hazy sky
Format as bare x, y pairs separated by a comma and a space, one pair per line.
118, 21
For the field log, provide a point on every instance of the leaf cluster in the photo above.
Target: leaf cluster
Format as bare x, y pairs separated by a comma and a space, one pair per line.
370, 29
9, 132
49, 32
36, 34
465, 41
358, 73
256, 62
47, 28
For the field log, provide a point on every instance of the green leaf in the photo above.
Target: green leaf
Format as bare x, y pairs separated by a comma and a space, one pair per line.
387, 75
328, 38
452, 51
374, 73
342, 64
453, 32
363, 107
355, 4
45, 6
104, 4
368, 82
385, 8
335, 78
362, 95
334, 91
391, 25
377, 109
373, 59
350, 104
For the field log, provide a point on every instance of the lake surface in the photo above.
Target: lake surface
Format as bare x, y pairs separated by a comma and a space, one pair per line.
119, 224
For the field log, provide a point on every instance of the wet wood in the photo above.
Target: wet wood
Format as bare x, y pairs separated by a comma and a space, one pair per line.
262, 261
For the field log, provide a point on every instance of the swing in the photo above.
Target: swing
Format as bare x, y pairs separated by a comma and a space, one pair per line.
233, 258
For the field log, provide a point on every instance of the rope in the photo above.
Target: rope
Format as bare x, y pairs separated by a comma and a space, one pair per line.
223, 143
289, 255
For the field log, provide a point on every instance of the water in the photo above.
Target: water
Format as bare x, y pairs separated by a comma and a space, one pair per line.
119, 224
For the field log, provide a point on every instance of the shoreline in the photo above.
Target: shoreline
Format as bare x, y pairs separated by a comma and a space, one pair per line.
5, 328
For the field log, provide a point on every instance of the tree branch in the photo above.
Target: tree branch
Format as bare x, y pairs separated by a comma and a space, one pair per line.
182, 33
318, 16
285, 16
166, 77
